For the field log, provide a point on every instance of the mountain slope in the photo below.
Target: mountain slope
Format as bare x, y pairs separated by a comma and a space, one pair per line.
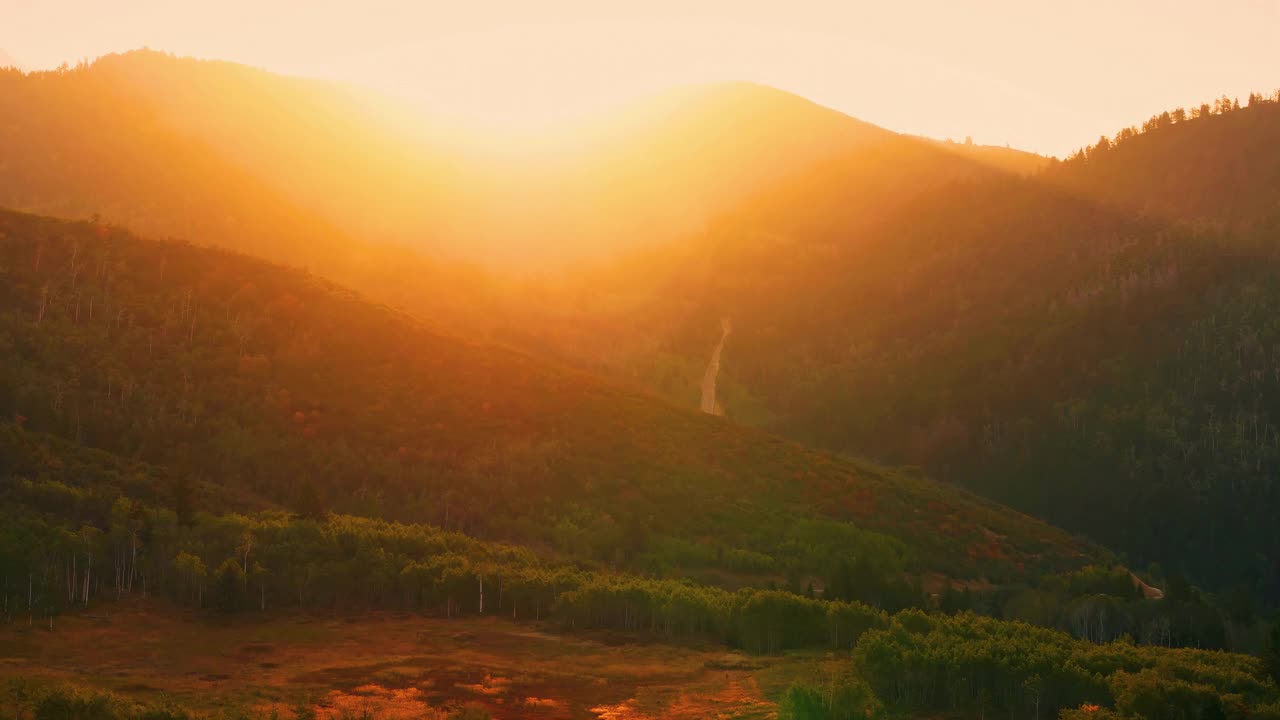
1010, 160
1100, 358
272, 382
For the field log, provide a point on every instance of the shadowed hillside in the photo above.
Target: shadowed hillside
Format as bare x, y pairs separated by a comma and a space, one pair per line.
1215, 164
274, 383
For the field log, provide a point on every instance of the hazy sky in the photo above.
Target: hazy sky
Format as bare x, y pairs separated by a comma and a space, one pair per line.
1045, 76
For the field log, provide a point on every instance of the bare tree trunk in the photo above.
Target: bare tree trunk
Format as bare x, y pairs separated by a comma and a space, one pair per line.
44, 304
133, 558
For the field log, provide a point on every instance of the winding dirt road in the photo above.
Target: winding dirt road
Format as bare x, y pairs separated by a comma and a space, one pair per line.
709, 404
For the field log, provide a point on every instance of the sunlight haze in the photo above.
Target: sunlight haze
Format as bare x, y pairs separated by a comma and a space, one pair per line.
1046, 77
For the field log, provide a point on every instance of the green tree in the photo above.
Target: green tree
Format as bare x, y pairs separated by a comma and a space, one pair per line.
229, 586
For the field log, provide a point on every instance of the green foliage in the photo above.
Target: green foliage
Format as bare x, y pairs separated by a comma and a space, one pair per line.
68, 702
838, 700
976, 665
345, 562
69, 705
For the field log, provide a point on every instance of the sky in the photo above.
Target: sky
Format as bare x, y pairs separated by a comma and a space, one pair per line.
1047, 76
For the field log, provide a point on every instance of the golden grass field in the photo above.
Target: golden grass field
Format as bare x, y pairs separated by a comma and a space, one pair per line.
393, 665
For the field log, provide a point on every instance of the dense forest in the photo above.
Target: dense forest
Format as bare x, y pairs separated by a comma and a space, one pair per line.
1090, 344
273, 385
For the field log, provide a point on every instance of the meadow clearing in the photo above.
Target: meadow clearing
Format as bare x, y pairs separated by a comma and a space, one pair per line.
391, 665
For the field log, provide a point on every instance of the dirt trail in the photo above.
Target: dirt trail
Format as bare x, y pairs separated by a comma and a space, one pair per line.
709, 404
1148, 592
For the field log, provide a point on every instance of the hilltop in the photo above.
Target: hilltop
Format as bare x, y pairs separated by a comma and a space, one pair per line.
1214, 164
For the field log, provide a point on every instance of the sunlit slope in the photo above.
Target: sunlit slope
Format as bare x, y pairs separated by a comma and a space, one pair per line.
75, 146
377, 197
350, 157
1010, 160
368, 167
653, 172
222, 171
639, 176
270, 382
654, 315
1102, 361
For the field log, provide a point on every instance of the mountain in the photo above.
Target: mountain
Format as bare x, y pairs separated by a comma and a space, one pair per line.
1089, 344
890, 296
349, 158
378, 197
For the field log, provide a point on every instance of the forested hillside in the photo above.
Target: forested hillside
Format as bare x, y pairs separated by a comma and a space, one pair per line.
1213, 164
1091, 344
283, 390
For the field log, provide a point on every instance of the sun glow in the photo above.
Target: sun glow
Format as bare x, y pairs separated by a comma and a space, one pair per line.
1035, 76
